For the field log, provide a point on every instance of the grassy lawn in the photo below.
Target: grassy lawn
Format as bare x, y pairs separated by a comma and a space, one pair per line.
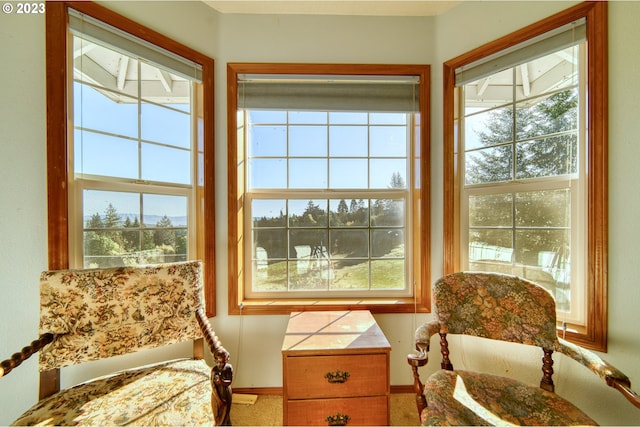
341, 273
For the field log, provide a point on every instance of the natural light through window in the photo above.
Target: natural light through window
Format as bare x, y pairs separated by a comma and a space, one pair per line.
348, 231
133, 155
524, 162
329, 174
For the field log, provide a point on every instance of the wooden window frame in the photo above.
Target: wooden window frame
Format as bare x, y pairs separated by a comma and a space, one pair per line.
237, 302
58, 174
594, 335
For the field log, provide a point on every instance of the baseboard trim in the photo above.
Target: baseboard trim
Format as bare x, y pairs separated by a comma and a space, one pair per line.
402, 389
272, 391
261, 391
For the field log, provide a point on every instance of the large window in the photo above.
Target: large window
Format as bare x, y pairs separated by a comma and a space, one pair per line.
327, 168
135, 147
528, 150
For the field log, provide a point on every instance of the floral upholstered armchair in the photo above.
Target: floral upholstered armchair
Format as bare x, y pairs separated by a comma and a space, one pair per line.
86, 315
507, 308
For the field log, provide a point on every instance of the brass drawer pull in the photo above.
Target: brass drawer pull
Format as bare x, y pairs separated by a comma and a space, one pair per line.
337, 376
338, 419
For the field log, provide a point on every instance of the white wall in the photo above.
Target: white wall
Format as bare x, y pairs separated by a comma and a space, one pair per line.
254, 341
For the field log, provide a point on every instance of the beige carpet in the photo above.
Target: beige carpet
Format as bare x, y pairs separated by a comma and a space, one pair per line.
267, 411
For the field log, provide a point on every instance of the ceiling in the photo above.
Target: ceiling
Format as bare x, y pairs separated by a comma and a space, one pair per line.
334, 7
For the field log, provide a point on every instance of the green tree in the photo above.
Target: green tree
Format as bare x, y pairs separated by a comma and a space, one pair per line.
547, 146
165, 234
131, 234
95, 221
397, 181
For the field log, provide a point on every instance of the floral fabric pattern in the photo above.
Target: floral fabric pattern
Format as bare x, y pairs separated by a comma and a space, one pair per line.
172, 393
496, 306
600, 367
107, 312
508, 402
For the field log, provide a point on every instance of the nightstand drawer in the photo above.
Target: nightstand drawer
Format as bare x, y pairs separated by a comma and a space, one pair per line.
361, 411
336, 376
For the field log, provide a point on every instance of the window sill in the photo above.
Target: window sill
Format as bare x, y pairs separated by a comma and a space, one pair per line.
375, 305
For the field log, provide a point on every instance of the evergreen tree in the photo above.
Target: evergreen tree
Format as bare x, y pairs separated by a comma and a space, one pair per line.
397, 181
95, 221
542, 153
548, 147
165, 234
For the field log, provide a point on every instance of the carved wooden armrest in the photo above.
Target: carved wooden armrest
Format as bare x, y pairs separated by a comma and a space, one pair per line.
611, 375
215, 346
415, 360
16, 359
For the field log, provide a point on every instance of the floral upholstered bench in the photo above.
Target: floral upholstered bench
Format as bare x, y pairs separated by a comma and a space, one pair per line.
86, 315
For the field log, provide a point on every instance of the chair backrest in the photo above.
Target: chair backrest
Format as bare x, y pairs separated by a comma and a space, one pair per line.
496, 306
105, 312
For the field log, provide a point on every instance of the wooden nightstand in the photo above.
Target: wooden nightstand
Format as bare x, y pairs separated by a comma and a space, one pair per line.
335, 368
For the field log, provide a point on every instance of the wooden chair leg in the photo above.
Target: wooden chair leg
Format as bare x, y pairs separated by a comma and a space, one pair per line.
546, 383
418, 387
444, 350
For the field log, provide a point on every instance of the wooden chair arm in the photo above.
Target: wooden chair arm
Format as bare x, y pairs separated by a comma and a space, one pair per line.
215, 346
611, 375
625, 389
16, 359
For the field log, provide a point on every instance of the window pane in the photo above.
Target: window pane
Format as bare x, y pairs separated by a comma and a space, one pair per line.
164, 211
307, 173
385, 212
349, 243
348, 173
267, 173
269, 213
488, 128
109, 209
388, 173
490, 246
489, 165
551, 208
308, 141
166, 164
269, 276
547, 115
164, 125
310, 274
270, 244
308, 213
551, 156
388, 243
99, 154
387, 274
348, 141
349, 213
388, 141
268, 141
307, 243
494, 210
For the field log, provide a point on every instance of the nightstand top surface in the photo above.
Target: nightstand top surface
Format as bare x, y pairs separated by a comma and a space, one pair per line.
356, 330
